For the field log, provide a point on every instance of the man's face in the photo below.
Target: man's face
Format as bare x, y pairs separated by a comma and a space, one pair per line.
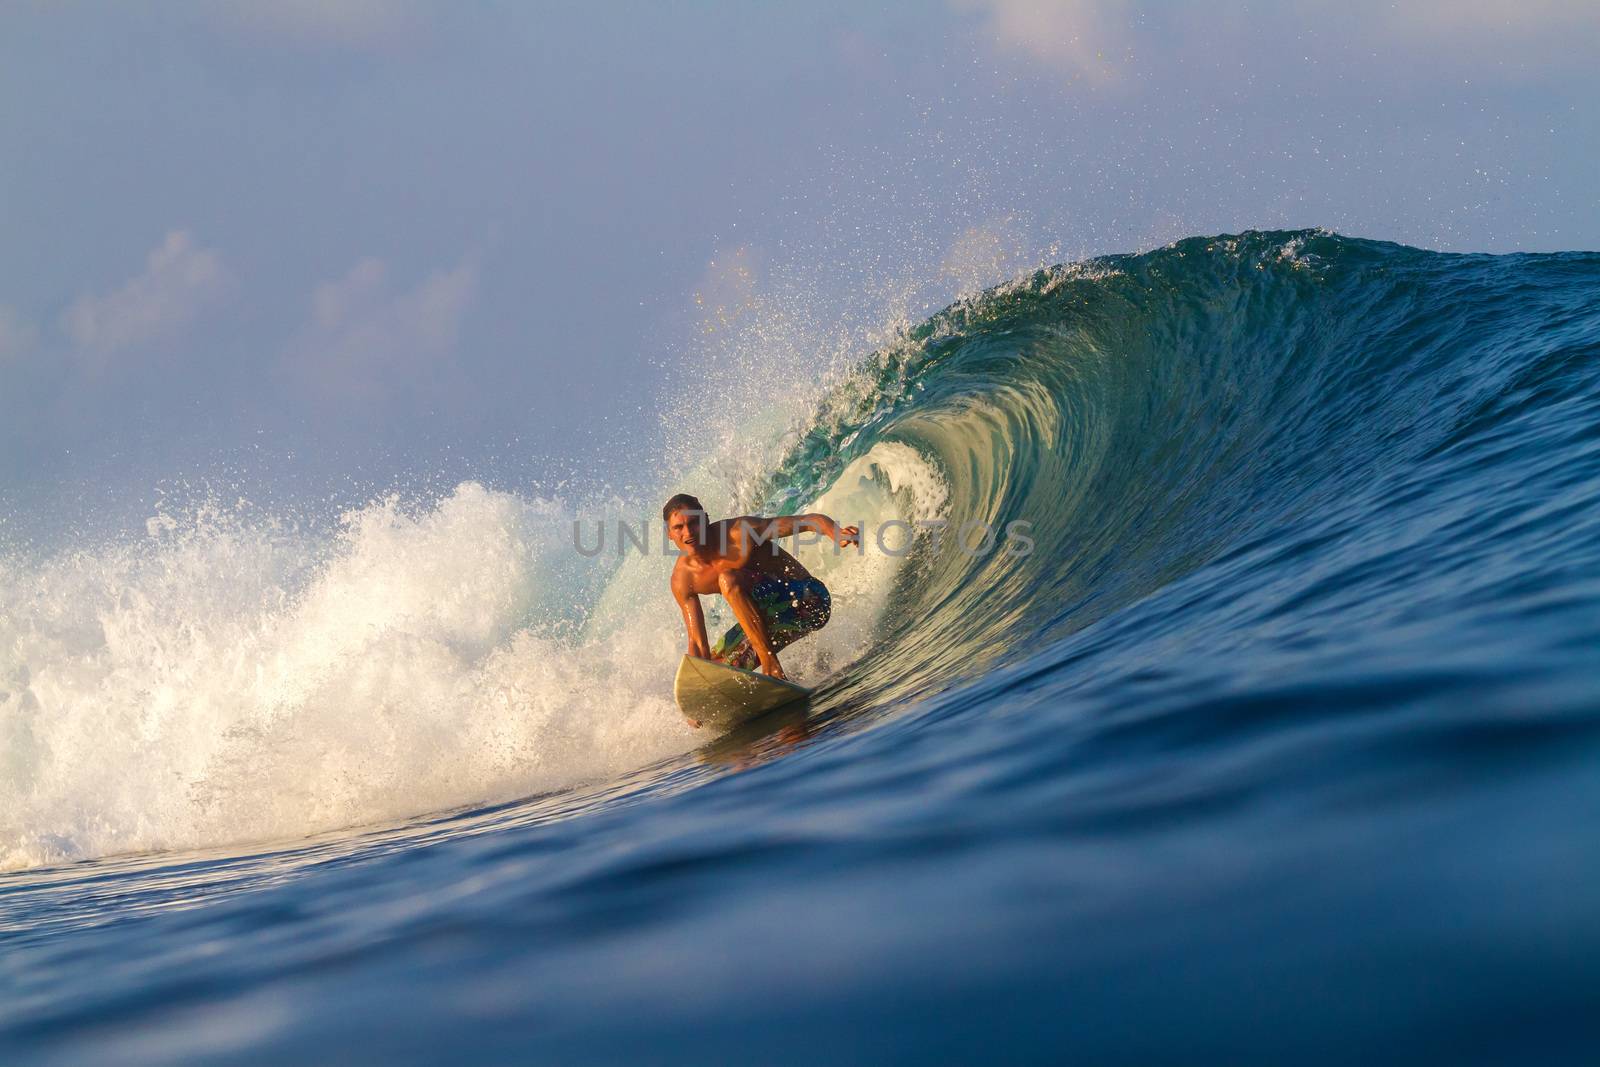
686, 528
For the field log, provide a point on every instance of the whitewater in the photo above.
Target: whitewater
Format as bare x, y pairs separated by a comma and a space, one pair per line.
1290, 713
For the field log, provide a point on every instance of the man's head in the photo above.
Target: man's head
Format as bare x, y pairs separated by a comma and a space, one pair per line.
686, 521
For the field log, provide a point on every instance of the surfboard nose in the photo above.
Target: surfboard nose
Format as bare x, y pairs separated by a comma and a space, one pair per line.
721, 697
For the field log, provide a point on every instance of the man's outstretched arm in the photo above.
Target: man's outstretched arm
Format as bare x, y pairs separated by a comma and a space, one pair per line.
770, 529
694, 618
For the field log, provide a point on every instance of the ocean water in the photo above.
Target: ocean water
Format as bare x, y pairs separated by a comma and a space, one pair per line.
1280, 742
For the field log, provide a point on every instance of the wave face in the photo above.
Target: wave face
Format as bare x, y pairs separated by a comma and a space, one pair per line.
1394, 433
1276, 728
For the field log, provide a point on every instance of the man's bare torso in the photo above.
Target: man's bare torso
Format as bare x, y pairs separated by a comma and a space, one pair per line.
728, 548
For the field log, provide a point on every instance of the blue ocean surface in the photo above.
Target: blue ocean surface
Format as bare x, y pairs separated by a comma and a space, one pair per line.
1276, 742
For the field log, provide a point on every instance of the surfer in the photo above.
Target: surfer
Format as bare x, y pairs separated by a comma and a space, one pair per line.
775, 599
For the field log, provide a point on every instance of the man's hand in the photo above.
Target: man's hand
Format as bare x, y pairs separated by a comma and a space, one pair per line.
846, 536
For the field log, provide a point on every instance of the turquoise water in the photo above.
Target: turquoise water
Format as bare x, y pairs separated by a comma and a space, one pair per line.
1279, 746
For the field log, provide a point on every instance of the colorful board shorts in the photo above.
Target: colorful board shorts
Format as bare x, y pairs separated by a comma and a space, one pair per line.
791, 607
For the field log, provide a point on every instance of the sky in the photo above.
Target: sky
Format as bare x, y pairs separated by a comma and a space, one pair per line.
314, 243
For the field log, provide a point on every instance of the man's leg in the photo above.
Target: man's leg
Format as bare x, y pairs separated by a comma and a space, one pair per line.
736, 587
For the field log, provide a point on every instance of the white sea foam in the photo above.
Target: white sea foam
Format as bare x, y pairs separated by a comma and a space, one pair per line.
229, 679
224, 680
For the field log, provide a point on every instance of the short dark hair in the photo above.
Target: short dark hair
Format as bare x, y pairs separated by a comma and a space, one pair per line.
681, 502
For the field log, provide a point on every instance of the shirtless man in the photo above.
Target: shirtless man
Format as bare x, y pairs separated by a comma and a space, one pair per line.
775, 599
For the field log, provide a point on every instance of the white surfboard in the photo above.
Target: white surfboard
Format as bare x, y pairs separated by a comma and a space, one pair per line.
722, 697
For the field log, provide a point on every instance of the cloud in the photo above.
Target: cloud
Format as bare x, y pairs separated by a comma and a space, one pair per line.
179, 281
367, 341
17, 335
1088, 39
1096, 42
